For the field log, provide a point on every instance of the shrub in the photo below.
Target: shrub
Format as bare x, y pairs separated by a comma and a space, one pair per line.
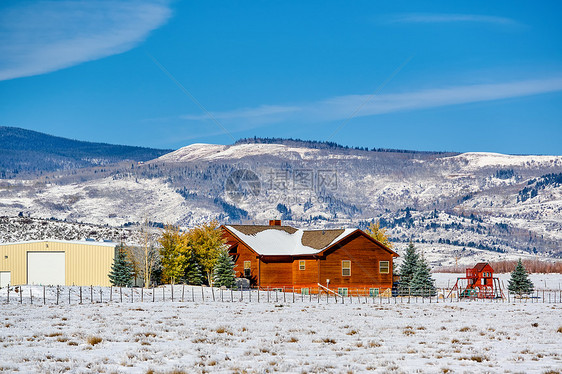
93, 340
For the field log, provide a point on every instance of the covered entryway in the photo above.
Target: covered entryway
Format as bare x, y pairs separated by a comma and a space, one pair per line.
46, 268
5, 278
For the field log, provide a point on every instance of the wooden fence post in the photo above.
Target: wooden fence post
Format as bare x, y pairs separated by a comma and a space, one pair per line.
111, 293
68, 295
44, 299
80, 294
58, 292
8, 299
172, 289
182, 291
142, 293
31, 296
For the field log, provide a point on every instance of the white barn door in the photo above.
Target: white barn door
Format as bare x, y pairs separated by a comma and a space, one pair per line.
45, 268
5, 278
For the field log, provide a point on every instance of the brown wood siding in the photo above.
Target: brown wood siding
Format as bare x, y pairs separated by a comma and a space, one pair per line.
307, 277
276, 273
364, 256
243, 253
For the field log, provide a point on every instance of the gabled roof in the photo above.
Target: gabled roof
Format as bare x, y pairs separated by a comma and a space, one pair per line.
289, 241
480, 266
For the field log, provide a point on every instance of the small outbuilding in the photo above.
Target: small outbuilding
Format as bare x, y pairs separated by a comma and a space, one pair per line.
56, 262
479, 282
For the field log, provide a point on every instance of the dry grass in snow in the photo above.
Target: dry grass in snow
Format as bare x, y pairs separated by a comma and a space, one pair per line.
259, 338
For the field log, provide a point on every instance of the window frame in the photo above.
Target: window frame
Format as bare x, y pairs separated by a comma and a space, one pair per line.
374, 292
247, 268
345, 268
387, 267
302, 265
305, 291
343, 291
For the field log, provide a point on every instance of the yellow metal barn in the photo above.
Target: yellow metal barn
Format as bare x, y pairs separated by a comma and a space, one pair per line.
56, 262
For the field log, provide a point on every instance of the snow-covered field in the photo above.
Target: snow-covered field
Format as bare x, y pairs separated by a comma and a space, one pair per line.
380, 335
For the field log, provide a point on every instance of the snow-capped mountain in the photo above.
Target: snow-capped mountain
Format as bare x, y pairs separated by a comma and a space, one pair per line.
484, 204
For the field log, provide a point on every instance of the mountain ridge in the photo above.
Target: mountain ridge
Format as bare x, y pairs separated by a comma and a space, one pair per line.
478, 206
28, 151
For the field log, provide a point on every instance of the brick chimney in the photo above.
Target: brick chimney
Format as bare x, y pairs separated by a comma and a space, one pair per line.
274, 222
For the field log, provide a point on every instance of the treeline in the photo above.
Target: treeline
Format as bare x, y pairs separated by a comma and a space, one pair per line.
317, 144
528, 192
532, 266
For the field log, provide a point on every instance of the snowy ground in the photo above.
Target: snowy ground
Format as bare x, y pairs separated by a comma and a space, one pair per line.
380, 335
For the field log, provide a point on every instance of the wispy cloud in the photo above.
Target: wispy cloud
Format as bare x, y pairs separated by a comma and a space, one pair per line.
449, 18
45, 36
267, 112
340, 107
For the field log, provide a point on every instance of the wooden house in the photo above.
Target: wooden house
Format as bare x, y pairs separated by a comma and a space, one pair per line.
284, 257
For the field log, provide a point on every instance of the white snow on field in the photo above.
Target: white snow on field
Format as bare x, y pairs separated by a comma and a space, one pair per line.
379, 336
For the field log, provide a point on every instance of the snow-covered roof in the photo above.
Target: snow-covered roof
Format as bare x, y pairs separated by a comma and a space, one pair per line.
88, 242
286, 240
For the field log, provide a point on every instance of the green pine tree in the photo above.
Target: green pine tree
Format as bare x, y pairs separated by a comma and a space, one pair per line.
223, 272
408, 268
121, 274
520, 282
193, 273
422, 284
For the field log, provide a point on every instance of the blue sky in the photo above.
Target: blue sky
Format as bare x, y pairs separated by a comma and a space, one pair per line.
459, 76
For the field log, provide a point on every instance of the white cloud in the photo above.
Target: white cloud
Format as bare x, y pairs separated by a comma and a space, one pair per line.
261, 112
45, 36
448, 18
341, 107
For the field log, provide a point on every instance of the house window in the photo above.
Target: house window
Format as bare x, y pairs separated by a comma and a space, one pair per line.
384, 267
302, 265
342, 291
373, 292
305, 291
247, 268
346, 268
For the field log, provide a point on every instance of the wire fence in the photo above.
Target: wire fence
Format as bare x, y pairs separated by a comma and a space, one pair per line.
76, 295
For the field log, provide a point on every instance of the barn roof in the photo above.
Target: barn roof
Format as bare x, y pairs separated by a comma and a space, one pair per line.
287, 240
86, 242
